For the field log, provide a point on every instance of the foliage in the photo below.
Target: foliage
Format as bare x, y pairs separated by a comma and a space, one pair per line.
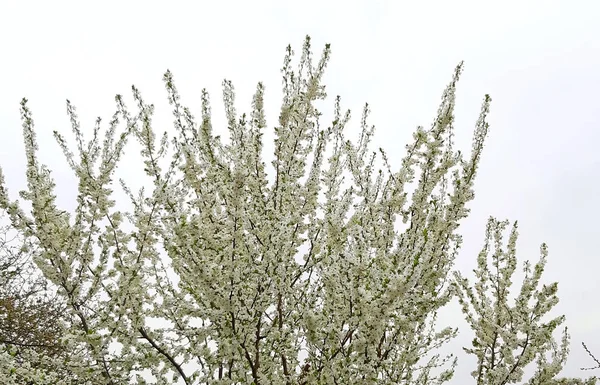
31, 320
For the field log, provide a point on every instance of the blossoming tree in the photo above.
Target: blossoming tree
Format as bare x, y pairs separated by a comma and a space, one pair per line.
219, 276
509, 337
30, 317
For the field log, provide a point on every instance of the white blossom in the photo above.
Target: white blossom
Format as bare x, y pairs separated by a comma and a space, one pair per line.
204, 280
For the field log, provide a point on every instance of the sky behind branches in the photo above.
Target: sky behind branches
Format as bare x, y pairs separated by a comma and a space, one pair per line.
538, 60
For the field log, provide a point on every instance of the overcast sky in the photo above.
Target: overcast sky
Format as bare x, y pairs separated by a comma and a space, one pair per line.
539, 60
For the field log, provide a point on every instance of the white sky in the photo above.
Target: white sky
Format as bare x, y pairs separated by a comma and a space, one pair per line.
539, 61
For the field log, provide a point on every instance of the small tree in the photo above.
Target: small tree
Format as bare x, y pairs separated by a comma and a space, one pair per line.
31, 320
213, 250
509, 337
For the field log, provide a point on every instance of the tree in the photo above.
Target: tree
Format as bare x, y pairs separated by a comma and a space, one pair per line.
31, 320
302, 280
507, 338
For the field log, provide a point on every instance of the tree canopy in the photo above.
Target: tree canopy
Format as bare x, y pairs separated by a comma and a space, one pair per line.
331, 273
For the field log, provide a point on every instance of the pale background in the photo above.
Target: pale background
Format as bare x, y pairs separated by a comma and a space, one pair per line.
539, 60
